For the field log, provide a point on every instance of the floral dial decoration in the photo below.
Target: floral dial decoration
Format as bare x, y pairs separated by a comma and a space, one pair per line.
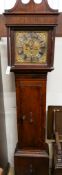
31, 47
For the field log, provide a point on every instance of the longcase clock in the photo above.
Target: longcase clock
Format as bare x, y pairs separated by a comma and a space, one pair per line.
30, 36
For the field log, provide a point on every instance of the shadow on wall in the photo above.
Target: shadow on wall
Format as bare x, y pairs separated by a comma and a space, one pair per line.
3, 142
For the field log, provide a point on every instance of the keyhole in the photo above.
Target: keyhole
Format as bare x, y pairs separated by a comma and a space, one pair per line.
31, 170
31, 119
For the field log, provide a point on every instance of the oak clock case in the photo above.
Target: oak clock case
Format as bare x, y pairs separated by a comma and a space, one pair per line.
30, 36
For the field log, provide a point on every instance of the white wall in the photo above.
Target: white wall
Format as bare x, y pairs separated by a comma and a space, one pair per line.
9, 102
6, 4
54, 83
54, 86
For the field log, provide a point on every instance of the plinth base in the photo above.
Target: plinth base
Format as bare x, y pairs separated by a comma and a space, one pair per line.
31, 162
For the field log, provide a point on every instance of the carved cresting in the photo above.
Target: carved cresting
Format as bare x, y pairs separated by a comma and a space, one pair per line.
31, 7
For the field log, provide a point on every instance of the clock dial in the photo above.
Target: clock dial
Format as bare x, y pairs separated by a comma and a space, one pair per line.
31, 47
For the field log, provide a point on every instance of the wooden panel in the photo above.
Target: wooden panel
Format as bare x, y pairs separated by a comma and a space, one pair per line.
31, 116
36, 163
3, 32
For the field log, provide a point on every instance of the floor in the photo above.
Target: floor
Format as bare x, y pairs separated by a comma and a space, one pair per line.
11, 171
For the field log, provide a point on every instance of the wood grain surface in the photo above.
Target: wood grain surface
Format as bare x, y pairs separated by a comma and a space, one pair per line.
3, 32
